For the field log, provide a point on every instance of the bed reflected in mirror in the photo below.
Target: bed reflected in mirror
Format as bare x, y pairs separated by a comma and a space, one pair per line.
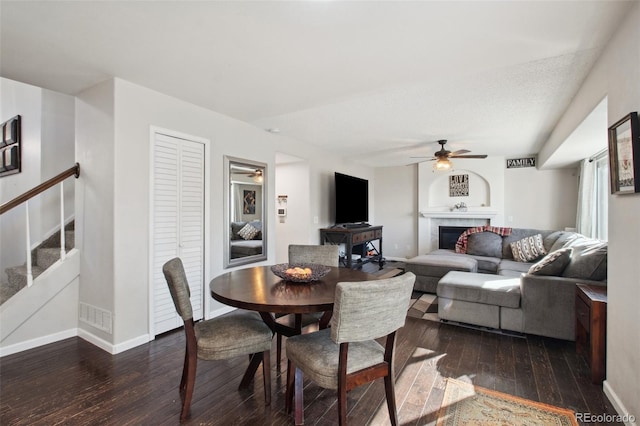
244, 213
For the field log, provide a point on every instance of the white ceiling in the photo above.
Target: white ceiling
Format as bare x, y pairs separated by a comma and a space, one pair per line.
379, 81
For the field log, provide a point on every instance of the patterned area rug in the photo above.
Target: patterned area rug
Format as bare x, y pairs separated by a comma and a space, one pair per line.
465, 404
425, 306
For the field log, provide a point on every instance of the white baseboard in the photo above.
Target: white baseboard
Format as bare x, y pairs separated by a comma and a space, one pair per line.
95, 340
626, 417
40, 341
109, 347
131, 343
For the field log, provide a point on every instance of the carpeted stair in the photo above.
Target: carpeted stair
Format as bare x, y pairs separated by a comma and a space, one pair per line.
42, 257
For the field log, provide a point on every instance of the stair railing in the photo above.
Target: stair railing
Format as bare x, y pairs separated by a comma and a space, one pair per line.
25, 197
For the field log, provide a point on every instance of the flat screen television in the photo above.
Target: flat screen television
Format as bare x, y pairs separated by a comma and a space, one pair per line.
352, 199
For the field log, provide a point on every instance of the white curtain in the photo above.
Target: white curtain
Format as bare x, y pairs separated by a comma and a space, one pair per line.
585, 222
592, 217
236, 202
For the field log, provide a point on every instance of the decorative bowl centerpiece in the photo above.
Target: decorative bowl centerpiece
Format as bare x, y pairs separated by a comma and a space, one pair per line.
304, 273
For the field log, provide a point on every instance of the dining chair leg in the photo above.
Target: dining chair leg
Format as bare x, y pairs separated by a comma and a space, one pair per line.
278, 349
266, 374
342, 402
192, 363
183, 380
289, 392
389, 388
299, 400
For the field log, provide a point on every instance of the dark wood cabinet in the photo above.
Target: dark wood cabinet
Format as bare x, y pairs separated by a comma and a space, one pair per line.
356, 241
591, 327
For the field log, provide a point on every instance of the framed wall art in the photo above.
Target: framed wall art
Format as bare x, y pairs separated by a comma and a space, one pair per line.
459, 186
624, 155
249, 204
10, 147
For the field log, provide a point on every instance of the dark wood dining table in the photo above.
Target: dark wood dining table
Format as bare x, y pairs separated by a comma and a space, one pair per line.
258, 289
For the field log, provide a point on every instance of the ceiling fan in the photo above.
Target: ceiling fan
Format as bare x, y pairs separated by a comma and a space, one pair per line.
256, 174
442, 156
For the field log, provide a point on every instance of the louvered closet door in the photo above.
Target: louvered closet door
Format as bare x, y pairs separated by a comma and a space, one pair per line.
178, 223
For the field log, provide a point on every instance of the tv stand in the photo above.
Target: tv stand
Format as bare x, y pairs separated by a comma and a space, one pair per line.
355, 237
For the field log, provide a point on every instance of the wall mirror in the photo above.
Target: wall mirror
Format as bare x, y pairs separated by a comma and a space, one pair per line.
245, 227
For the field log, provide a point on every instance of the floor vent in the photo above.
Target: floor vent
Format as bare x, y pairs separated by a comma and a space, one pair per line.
95, 317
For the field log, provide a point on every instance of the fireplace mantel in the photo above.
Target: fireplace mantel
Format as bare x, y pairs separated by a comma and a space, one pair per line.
469, 214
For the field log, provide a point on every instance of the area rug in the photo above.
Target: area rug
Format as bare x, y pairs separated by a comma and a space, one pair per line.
425, 306
465, 404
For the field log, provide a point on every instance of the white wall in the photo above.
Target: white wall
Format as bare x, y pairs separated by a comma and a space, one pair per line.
490, 170
541, 199
114, 121
322, 166
57, 154
622, 62
396, 207
47, 149
544, 199
94, 199
615, 75
292, 180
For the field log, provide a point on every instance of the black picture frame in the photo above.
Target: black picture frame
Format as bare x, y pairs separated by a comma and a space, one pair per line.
249, 202
624, 155
10, 149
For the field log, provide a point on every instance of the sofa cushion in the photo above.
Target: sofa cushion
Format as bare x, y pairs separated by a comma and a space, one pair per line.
487, 264
553, 263
565, 239
588, 261
556, 240
528, 248
511, 268
480, 288
485, 244
436, 265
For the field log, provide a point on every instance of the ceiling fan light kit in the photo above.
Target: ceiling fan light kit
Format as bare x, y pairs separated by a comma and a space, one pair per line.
442, 164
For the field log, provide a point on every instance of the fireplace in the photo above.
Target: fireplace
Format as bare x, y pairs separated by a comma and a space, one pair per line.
448, 236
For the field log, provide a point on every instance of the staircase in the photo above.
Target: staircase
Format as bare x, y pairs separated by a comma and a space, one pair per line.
42, 257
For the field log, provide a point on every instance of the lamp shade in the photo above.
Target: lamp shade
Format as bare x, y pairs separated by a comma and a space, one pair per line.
442, 164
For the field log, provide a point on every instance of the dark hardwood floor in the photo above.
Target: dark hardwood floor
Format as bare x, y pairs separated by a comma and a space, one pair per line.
74, 383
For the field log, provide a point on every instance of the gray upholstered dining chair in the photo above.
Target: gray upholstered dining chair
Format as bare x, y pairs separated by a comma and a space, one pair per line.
228, 336
322, 255
347, 355
291, 325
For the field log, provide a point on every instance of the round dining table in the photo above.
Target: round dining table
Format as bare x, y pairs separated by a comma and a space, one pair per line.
258, 289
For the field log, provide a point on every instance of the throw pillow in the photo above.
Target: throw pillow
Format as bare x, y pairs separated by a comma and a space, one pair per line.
553, 263
588, 261
248, 232
528, 249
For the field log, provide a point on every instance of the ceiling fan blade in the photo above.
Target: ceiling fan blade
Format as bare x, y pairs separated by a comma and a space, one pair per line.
427, 158
467, 156
458, 152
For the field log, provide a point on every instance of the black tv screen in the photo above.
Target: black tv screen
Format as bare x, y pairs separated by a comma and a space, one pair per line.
352, 199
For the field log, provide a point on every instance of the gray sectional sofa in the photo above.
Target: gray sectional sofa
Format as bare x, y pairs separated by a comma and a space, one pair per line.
241, 246
486, 286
